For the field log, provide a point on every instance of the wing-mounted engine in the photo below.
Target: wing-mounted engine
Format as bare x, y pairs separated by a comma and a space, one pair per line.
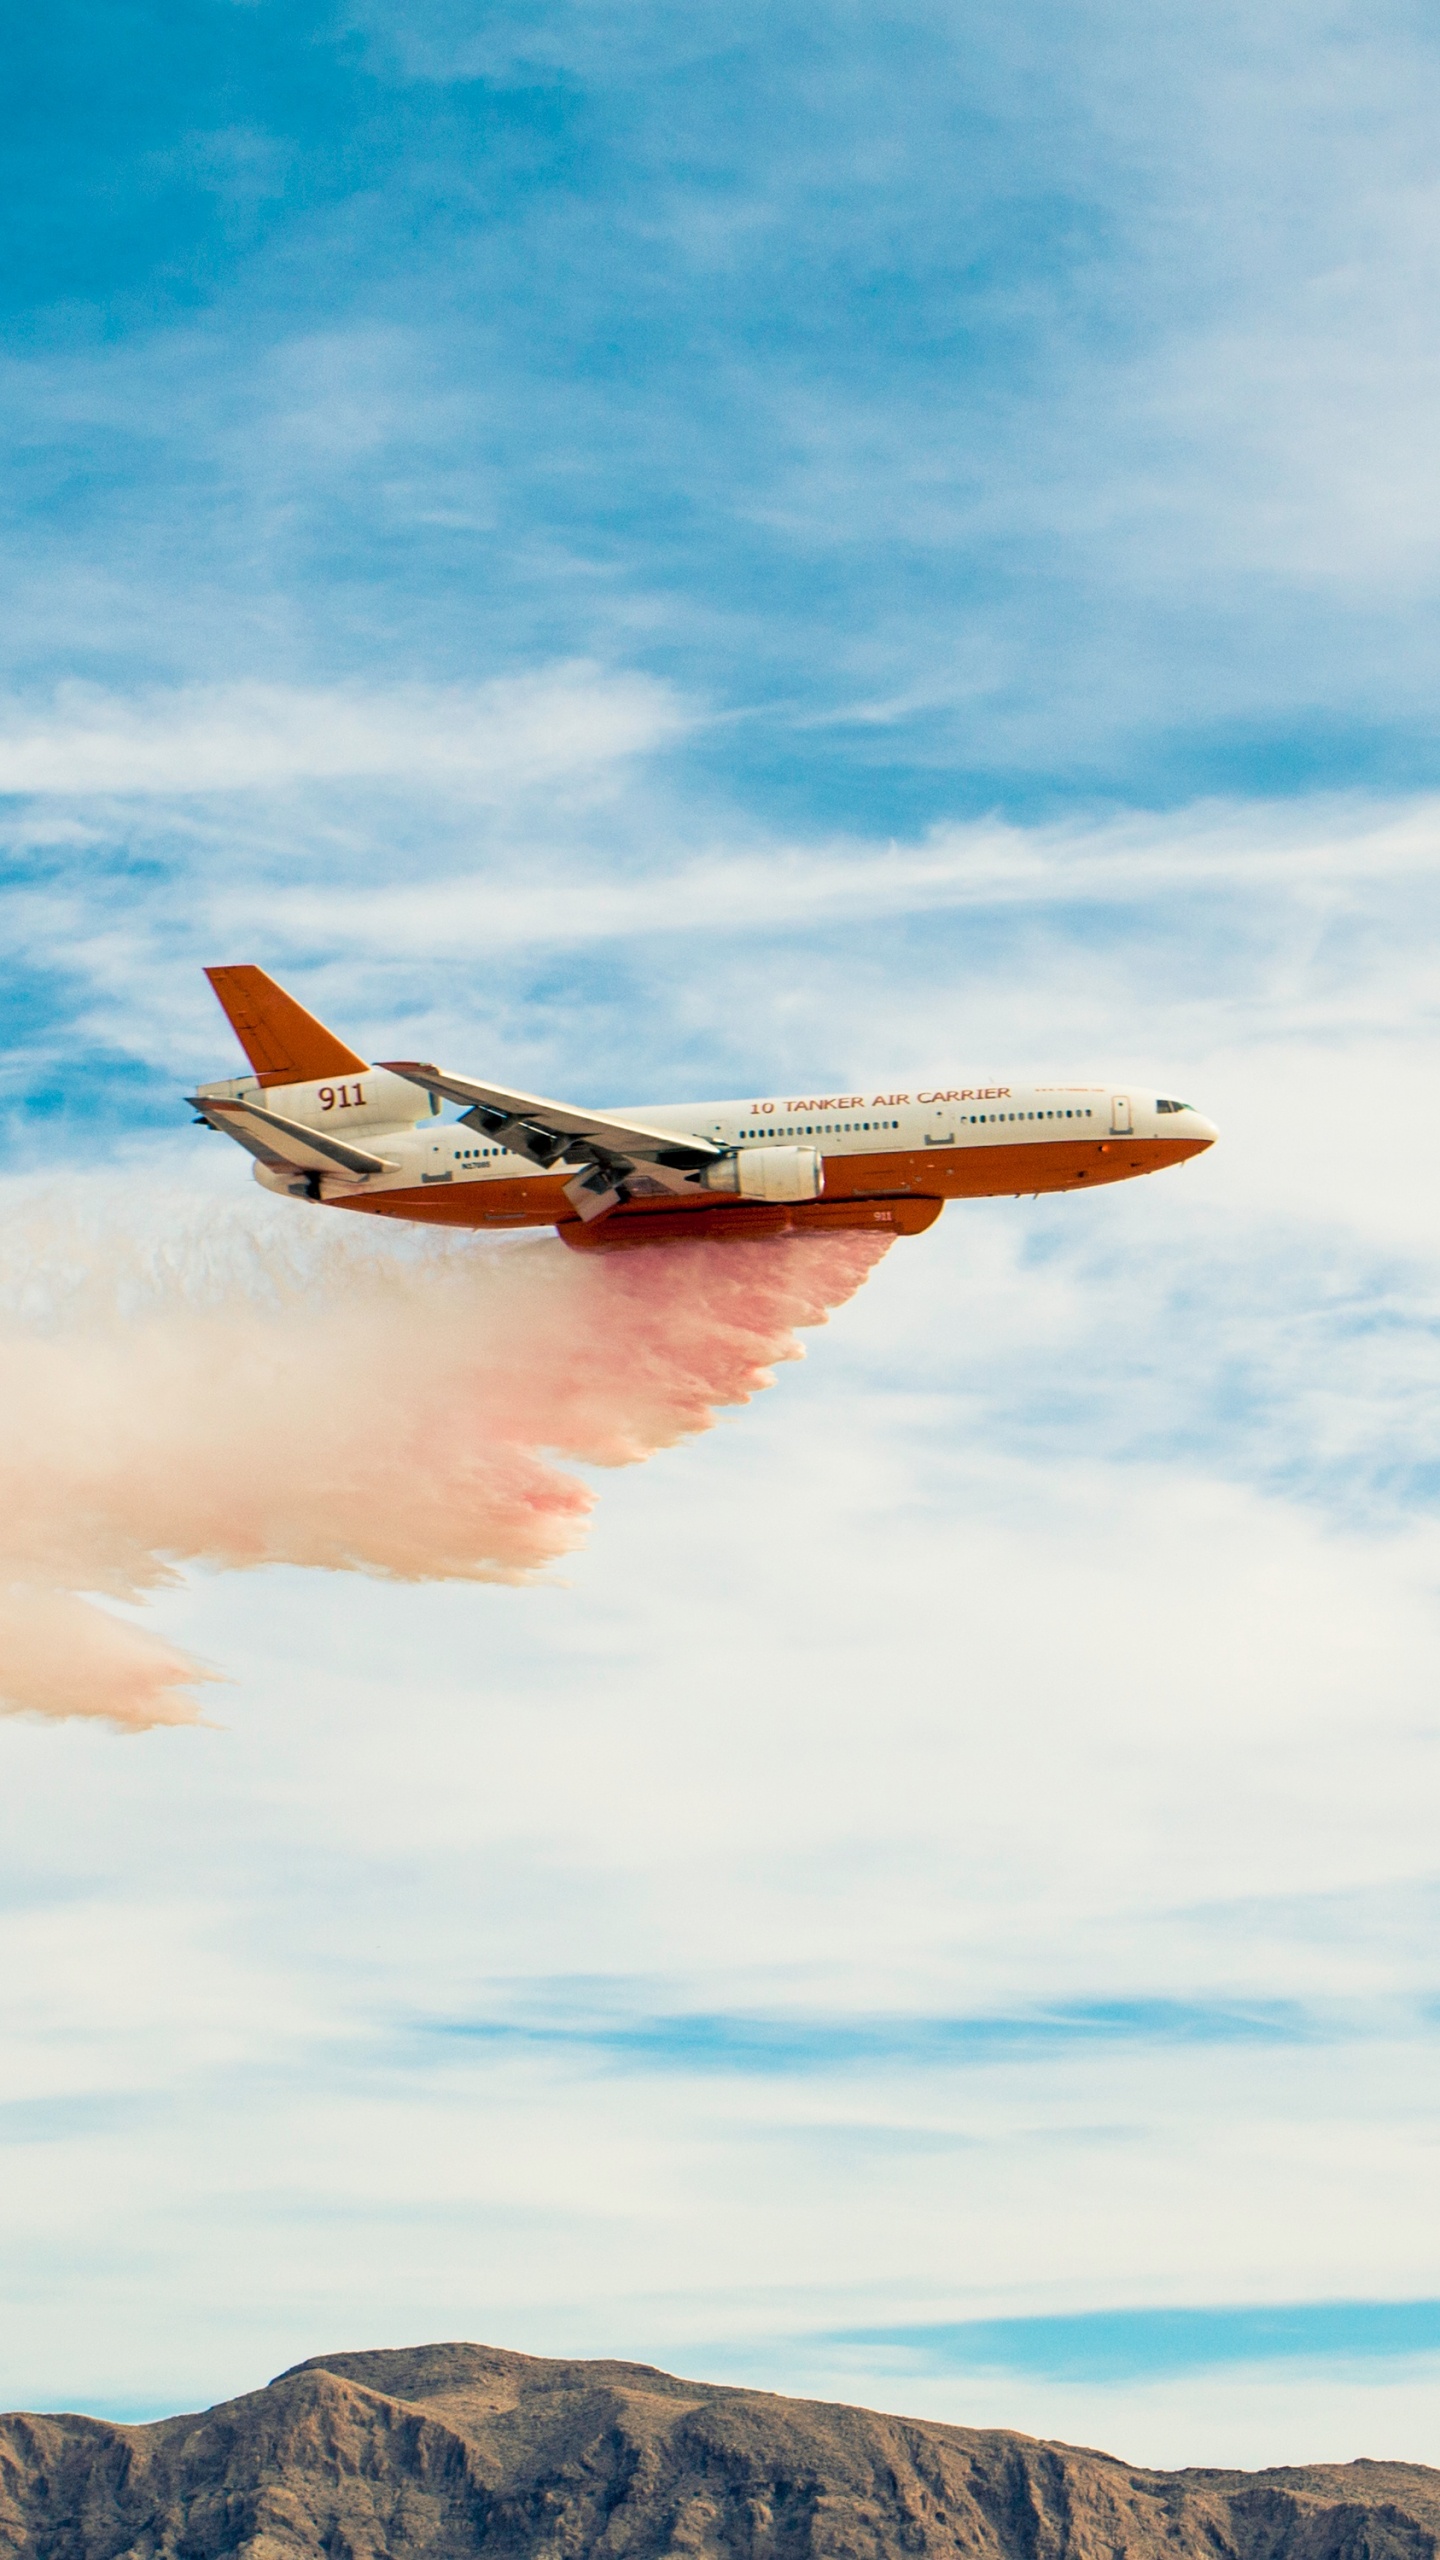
768, 1173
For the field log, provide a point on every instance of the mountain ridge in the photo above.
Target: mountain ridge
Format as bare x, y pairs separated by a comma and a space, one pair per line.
453, 2450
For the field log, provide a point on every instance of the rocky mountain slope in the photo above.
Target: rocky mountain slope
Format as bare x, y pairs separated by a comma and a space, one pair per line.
457, 2450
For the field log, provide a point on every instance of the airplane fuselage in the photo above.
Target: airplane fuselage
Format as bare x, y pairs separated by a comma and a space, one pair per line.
886, 1158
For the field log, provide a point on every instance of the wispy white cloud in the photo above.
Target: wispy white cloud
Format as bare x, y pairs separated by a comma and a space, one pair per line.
1300, 851
492, 741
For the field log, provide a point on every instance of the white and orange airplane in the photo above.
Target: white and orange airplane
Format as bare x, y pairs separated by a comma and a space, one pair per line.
325, 1124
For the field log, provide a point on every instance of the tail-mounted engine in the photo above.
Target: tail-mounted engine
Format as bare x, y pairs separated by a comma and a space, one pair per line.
768, 1173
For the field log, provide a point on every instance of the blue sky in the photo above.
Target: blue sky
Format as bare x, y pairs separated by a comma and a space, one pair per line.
661, 552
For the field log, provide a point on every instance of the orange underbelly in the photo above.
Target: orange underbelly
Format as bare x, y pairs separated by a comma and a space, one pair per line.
916, 1175
535, 1200
1004, 1171
744, 1220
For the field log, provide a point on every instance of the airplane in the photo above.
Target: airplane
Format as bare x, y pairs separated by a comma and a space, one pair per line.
325, 1124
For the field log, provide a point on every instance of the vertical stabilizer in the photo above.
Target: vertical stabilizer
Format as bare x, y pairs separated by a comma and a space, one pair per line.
284, 1043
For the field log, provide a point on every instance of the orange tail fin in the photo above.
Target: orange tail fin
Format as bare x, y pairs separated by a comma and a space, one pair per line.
284, 1043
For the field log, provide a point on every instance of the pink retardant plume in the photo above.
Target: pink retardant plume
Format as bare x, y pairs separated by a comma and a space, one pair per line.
256, 1395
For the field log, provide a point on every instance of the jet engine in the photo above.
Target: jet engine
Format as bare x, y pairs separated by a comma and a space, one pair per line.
768, 1173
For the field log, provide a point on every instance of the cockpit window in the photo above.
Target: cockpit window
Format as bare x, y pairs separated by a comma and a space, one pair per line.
1174, 1106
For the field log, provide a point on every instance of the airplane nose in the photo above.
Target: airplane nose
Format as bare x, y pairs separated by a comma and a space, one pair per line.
1198, 1127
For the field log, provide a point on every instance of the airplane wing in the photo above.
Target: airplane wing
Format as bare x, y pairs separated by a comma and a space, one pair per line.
286, 1142
605, 1149
497, 1109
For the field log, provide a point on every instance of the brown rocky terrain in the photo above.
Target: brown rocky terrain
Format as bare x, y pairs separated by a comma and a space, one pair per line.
457, 2450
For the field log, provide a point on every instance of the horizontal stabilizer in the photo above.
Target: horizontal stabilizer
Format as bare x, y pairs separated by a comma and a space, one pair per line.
284, 1043
282, 1142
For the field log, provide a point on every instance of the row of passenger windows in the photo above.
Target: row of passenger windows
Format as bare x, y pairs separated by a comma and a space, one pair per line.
975, 1120
819, 1129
